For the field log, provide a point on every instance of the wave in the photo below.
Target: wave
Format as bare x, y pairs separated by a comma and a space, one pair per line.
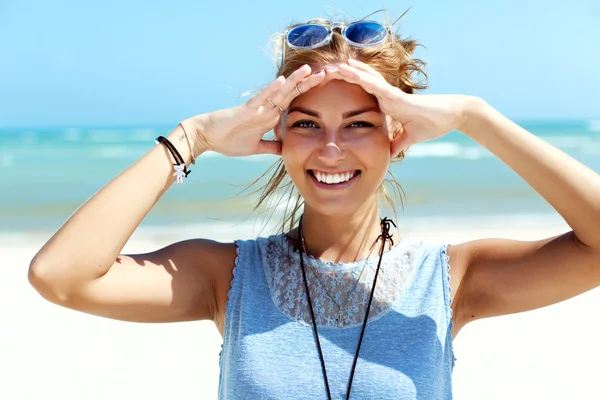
72, 134
586, 144
448, 150
132, 142
108, 136
144, 135
594, 125
7, 160
118, 151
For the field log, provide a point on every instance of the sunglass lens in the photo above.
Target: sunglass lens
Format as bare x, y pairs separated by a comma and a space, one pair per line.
307, 35
366, 33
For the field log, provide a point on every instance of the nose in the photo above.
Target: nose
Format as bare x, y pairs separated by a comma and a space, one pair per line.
332, 148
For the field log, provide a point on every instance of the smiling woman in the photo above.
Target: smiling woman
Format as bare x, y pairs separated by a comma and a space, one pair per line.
336, 305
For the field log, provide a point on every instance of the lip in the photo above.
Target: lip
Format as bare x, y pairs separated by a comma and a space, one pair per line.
336, 186
334, 172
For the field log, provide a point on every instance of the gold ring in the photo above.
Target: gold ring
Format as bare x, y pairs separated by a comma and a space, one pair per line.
299, 90
281, 110
271, 103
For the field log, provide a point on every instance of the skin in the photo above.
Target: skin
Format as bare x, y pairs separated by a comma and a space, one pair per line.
189, 280
323, 133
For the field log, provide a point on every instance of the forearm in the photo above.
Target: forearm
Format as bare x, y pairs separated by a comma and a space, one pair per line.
570, 187
86, 246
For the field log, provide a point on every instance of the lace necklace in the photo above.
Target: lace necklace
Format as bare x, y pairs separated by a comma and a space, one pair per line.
384, 236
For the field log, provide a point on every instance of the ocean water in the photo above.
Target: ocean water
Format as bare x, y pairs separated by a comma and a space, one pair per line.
46, 174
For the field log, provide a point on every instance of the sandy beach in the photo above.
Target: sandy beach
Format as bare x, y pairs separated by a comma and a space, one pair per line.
52, 353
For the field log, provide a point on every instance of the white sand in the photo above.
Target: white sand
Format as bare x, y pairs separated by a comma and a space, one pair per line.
47, 352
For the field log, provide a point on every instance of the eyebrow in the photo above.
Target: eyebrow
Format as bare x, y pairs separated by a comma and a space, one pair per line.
345, 115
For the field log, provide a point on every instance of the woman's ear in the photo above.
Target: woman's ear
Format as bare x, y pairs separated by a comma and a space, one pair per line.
396, 140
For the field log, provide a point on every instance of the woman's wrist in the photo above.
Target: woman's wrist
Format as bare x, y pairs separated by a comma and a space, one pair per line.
193, 128
474, 109
183, 138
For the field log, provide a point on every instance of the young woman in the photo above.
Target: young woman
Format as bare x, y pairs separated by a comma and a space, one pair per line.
335, 306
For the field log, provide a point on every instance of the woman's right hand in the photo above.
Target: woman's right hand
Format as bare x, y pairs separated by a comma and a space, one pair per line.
239, 131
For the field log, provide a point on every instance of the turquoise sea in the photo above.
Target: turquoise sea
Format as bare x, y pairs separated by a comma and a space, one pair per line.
45, 174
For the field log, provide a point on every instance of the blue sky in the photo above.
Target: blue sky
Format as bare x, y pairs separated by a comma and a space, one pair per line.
69, 63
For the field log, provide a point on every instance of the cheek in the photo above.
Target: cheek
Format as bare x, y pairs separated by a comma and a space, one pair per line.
294, 153
374, 155
375, 148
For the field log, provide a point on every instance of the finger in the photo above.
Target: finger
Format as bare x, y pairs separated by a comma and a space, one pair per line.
261, 98
372, 84
289, 86
331, 74
303, 86
364, 67
269, 147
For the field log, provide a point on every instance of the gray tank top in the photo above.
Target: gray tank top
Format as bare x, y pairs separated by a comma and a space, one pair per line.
269, 350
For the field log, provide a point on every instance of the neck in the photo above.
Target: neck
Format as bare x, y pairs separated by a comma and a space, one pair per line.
341, 238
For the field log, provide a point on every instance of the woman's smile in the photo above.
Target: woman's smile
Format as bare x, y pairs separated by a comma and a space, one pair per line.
333, 180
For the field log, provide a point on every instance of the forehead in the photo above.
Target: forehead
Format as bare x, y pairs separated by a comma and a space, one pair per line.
337, 94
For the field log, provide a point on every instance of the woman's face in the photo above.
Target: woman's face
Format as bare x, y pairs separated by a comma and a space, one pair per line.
336, 147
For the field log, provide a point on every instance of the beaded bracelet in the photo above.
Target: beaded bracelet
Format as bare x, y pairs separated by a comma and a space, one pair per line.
180, 169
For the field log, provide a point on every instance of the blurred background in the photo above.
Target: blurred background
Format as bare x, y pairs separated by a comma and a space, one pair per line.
85, 87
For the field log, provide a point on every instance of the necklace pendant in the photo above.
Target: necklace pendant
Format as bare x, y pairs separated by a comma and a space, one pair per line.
340, 318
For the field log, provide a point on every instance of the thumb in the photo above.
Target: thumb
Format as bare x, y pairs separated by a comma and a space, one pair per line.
269, 147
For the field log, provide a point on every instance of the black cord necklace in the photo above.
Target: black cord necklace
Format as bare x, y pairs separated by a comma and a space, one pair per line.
384, 236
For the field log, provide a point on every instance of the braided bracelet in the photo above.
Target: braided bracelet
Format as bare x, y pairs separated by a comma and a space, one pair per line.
180, 169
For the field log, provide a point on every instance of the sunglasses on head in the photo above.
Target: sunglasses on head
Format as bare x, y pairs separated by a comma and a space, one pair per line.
359, 34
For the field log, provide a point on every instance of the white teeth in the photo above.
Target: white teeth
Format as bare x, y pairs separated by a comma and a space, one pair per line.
333, 178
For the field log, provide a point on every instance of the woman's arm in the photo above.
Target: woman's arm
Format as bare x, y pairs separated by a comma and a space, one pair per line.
80, 266
572, 188
496, 276
499, 276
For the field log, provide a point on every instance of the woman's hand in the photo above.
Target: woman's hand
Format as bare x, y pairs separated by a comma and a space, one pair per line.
421, 117
239, 131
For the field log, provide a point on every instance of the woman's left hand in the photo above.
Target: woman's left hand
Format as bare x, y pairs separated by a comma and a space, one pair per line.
421, 117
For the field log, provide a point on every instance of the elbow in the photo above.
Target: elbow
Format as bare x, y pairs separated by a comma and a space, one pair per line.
43, 278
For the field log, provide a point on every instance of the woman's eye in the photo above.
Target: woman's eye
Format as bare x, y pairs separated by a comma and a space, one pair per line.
304, 124
360, 124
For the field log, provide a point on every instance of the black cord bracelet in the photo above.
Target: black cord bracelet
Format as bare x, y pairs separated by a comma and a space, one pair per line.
181, 170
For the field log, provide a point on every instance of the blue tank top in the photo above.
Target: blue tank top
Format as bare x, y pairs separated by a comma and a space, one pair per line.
269, 350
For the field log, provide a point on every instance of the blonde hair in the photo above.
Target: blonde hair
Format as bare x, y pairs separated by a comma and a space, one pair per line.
393, 59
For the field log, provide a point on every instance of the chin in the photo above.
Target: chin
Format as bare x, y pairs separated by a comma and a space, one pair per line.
333, 208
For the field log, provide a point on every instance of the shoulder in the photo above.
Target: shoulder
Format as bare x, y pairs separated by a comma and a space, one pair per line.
210, 254
216, 259
234, 258
423, 251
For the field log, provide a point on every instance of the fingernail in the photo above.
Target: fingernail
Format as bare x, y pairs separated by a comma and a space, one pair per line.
331, 68
352, 61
